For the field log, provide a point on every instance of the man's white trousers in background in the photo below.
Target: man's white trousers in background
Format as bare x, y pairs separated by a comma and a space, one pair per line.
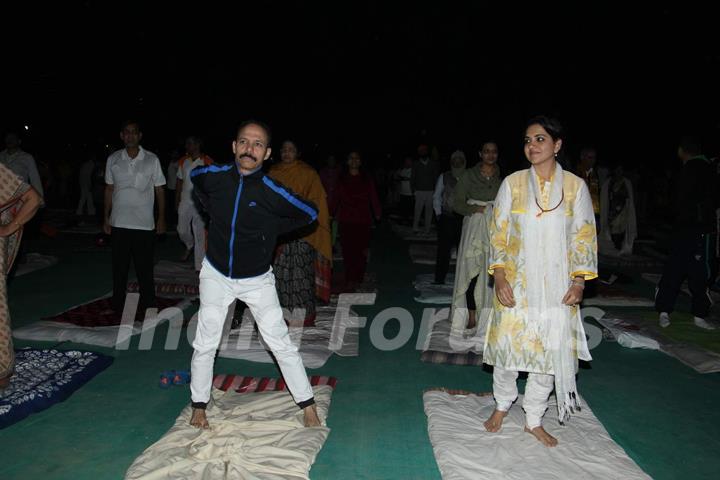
217, 292
538, 388
191, 230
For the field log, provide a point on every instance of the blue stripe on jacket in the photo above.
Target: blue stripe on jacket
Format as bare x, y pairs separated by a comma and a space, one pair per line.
210, 168
291, 198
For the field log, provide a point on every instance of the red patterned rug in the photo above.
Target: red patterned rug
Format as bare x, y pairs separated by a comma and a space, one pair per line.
99, 313
242, 384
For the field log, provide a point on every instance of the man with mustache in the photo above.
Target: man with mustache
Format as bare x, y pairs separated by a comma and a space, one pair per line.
247, 210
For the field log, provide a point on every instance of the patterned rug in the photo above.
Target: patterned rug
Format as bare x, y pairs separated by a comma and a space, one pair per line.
241, 384
45, 377
169, 289
98, 313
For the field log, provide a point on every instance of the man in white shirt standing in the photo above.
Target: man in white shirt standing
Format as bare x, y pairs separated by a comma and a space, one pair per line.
190, 226
20, 162
134, 180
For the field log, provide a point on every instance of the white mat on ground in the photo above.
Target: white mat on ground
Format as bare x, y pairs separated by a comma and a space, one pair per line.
432, 293
49, 331
316, 343
463, 449
438, 340
425, 254
252, 436
634, 332
34, 262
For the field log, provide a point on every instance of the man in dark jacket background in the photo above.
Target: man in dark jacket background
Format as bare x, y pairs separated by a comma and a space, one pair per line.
693, 242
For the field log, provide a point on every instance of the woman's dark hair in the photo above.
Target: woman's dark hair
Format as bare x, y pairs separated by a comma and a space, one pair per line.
551, 125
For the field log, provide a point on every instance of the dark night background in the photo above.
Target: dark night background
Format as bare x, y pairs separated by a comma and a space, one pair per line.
630, 80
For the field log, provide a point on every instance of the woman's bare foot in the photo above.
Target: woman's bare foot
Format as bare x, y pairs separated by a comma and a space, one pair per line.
311, 416
198, 419
544, 437
494, 423
471, 320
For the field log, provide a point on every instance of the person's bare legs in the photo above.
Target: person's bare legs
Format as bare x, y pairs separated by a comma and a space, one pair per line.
471, 320
505, 393
199, 419
494, 423
544, 437
535, 403
311, 416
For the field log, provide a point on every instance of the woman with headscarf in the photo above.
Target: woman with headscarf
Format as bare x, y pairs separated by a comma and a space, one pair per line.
18, 204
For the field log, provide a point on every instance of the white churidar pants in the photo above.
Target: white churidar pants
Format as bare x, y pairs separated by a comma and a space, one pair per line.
538, 388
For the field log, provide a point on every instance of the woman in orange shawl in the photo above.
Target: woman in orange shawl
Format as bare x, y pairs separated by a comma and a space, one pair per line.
303, 263
18, 203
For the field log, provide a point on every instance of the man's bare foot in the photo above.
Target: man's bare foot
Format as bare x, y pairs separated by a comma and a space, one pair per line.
494, 423
544, 437
198, 419
311, 416
471, 320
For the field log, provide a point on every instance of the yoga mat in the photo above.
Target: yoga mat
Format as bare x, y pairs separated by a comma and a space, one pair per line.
465, 450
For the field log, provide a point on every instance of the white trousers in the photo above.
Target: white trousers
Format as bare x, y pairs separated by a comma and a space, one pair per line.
217, 292
423, 199
538, 388
85, 198
191, 230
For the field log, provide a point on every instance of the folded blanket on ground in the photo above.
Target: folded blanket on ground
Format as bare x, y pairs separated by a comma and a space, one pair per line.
637, 331
464, 449
439, 340
256, 435
44, 377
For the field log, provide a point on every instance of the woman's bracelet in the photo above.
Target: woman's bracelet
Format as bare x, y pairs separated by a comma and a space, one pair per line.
579, 284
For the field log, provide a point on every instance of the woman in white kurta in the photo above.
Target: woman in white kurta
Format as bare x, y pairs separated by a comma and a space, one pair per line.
543, 248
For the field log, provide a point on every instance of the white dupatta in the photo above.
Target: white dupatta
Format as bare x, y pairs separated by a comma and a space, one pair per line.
546, 241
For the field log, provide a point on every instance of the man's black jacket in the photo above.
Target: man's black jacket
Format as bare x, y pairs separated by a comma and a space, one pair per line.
247, 213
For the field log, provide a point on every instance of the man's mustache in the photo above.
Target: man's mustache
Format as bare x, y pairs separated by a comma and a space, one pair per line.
247, 155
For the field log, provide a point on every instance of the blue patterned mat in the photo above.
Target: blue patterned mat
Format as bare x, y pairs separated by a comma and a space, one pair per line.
45, 377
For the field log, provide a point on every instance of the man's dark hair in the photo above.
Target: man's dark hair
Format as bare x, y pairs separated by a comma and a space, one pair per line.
690, 145
129, 122
551, 125
260, 124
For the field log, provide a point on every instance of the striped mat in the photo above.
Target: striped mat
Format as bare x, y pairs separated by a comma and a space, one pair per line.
242, 384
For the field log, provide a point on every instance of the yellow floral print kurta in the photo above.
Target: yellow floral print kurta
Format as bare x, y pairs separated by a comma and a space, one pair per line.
543, 235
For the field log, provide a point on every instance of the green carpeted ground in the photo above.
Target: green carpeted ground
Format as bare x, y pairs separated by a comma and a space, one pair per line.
664, 414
